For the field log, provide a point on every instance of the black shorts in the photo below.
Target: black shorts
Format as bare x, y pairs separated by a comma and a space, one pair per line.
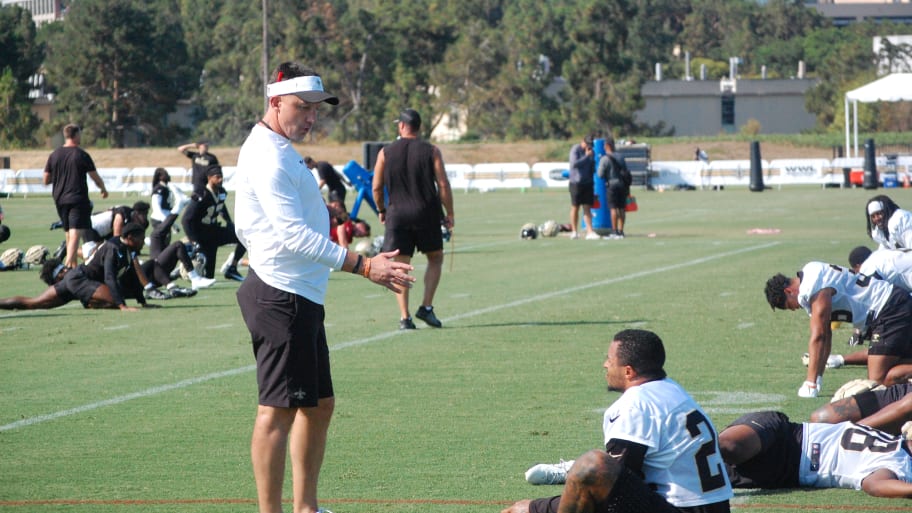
75, 216
873, 401
337, 195
630, 494
426, 238
75, 285
289, 344
891, 331
617, 196
582, 194
780, 455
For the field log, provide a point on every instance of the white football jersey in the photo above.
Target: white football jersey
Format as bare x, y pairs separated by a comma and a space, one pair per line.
857, 296
842, 455
900, 228
891, 265
682, 460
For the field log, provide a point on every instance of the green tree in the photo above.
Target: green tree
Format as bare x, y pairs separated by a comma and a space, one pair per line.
842, 59
19, 124
720, 29
231, 86
20, 57
118, 66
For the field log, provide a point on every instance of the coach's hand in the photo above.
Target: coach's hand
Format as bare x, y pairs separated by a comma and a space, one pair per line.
383, 269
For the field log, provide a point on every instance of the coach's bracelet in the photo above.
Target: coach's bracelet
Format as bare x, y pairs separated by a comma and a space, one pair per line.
357, 268
366, 270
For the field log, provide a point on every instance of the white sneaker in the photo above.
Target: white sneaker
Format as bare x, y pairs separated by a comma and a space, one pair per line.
201, 283
574, 235
834, 361
808, 390
546, 474
593, 236
227, 265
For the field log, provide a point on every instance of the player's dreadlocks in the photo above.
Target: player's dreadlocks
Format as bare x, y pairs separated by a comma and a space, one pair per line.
775, 291
888, 207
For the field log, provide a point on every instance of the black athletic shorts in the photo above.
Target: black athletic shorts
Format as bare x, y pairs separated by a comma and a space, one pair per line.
780, 455
426, 238
582, 194
617, 196
78, 216
631, 494
873, 401
75, 285
891, 331
289, 344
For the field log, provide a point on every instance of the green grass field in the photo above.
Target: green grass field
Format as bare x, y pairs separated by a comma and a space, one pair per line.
104, 411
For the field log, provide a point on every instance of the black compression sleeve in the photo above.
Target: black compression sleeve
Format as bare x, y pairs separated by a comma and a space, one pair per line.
630, 454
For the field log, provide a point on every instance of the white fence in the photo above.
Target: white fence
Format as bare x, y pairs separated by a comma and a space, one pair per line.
519, 175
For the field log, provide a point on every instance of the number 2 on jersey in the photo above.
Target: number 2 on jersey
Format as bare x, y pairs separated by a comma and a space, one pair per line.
709, 480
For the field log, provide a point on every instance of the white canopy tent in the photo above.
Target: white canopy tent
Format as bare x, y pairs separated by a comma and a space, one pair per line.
891, 88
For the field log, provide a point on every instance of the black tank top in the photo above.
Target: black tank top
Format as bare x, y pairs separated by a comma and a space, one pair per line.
410, 183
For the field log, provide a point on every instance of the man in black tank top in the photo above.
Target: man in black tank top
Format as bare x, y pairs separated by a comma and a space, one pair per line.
420, 201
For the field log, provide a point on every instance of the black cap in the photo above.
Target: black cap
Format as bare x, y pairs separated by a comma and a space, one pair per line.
411, 118
213, 169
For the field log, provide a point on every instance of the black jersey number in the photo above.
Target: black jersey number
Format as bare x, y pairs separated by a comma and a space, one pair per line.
859, 439
710, 478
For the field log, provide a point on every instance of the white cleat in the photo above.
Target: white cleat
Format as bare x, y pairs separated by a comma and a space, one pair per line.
201, 283
808, 390
834, 361
547, 474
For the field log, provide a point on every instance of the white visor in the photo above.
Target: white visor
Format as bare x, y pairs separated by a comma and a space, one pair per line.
308, 88
875, 206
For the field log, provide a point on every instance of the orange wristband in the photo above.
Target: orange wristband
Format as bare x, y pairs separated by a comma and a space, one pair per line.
366, 269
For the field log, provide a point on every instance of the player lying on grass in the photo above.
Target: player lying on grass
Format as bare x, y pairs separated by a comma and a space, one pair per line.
766, 450
96, 283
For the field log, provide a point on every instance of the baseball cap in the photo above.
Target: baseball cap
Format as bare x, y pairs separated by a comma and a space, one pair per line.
213, 169
410, 117
308, 88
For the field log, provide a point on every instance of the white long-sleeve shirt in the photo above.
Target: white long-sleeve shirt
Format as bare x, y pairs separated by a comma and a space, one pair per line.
281, 218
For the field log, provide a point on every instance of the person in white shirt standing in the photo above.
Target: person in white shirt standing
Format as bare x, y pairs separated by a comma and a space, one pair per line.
661, 454
281, 218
